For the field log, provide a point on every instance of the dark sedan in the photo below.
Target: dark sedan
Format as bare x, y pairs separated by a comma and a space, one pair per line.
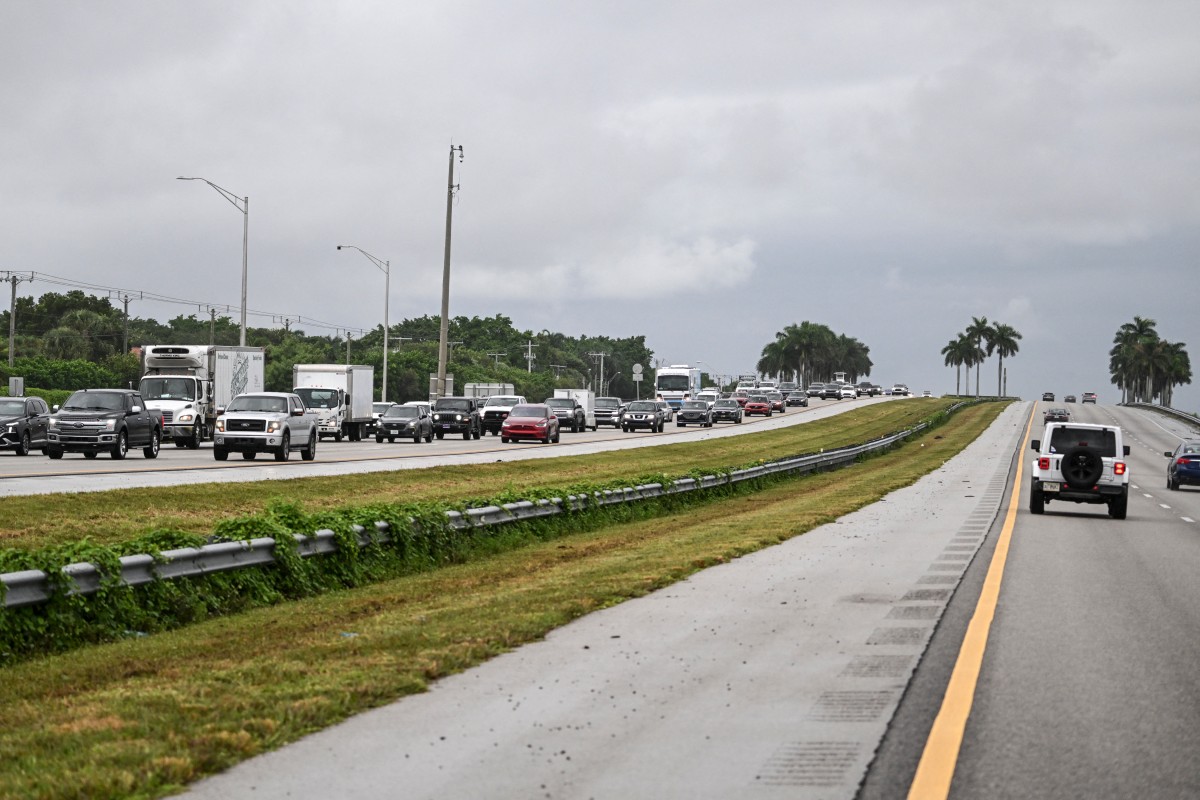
404, 422
727, 410
642, 414
1184, 466
23, 423
1057, 415
796, 399
530, 421
815, 390
694, 412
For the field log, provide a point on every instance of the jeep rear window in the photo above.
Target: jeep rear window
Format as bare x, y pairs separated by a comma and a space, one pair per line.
1102, 441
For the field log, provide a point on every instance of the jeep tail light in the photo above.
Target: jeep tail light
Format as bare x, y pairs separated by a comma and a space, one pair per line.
1119, 468
1044, 463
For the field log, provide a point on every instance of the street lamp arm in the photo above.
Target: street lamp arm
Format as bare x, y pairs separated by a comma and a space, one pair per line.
238, 202
384, 266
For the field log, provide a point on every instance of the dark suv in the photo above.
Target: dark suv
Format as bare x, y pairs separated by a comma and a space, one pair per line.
457, 415
23, 424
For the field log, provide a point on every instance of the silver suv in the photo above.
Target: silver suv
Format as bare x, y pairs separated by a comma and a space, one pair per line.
1081, 463
265, 422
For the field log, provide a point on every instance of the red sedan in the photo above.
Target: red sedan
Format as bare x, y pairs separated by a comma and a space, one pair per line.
741, 396
757, 404
533, 421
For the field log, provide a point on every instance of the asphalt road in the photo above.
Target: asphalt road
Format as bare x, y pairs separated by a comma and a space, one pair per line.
1089, 685
36, 474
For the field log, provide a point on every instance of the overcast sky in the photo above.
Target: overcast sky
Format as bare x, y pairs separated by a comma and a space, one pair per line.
701, 173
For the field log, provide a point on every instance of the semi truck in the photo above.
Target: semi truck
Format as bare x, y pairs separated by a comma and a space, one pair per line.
339, 394
188, 383
677, 383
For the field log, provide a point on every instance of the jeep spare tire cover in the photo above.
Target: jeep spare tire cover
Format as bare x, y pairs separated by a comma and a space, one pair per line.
1082, 467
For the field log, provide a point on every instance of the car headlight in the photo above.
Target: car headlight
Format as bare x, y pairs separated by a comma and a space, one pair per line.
274, 426
184, 418
221, 425
110, 424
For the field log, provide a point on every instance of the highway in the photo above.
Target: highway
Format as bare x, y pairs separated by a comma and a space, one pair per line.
1088, 686
36, 474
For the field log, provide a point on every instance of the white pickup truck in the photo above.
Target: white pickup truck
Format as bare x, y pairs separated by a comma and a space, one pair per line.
1081, 463
265, 422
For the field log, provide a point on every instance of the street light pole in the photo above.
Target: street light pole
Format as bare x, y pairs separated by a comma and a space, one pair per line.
244, 207
444, 333
386, 268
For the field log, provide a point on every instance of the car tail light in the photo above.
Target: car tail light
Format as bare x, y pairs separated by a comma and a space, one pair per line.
1183, 461
1043, 463
1119, 468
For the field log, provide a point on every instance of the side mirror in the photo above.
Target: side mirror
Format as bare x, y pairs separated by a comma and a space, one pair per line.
1168, 454
55, 408
297, 412
1035, 445
135, 409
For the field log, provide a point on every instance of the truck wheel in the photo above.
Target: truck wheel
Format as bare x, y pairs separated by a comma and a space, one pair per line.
285, 449
476, 433
429, 436
24, 447
467, 435
416, 436
197, 437
337, 437
556, 436
310, 452
151, 450
220, 454
504, 440
121, 447
1037, 501
54, 453
574, 426
378, 439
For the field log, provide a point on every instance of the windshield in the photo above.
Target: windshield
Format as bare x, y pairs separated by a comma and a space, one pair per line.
95, 401
607, 402
697, 404
168, 388
446, 404
642, 405
404, 412
319, 398
560, 402
379, 408
673, 383
259, 403
502, 401
758, 398
528, 411
12, 408
726, 404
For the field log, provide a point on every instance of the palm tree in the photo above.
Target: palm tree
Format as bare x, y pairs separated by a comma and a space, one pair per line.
1125, 365
959, 351
980, 332
1004, 342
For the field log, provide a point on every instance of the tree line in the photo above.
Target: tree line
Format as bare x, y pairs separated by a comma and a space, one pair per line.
75, 340
975, 345
1146, 367
811, 352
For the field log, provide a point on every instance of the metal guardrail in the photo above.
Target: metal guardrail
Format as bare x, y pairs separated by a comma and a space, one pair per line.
33, 587
1171, 412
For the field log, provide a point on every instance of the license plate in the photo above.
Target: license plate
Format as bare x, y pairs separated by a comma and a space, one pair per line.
1051, 486
446, 427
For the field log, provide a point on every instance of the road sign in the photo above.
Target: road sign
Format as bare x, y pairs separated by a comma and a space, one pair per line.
637, 370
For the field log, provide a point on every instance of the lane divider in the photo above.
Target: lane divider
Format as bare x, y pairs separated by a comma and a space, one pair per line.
940, 756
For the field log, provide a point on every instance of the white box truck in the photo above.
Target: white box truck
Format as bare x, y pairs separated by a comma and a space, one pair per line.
586, 400
188, 383
339, 394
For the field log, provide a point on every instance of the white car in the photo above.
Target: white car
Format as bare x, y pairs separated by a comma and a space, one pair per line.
265, 422
848, 392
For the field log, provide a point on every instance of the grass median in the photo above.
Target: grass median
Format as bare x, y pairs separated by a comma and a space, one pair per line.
145, 716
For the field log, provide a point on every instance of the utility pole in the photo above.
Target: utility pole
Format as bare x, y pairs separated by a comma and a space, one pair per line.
529, 356
125, 336
497, 356
558, 368
444, 334
14, 279
212, 326
601, 356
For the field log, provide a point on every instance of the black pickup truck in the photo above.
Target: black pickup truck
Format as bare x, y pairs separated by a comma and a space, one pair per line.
94, 421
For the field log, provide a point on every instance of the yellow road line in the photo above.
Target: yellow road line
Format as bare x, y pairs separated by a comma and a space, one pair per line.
936, 769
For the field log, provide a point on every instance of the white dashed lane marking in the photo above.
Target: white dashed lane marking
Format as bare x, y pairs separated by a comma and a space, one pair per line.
1164, 505
1187, 519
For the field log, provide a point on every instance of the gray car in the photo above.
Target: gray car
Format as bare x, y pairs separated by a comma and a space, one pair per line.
404, 422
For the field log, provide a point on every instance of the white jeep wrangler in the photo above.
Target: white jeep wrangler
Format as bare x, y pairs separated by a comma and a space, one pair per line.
1081, 463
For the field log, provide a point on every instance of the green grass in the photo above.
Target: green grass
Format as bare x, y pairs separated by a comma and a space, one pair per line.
145, 716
